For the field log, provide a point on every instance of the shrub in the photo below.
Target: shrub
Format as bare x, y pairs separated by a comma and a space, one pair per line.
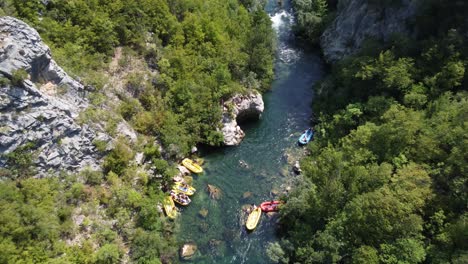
108, 254
4, 82
20, 160
91, 177
18, 76
118, 159
161, 165
100, 145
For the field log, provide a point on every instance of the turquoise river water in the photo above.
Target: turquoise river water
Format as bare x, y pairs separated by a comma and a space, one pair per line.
221, 236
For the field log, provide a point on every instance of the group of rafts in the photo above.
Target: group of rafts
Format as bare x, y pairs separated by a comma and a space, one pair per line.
181, 191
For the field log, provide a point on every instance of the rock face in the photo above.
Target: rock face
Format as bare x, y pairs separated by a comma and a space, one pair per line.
44, 109
238, 109
357, 20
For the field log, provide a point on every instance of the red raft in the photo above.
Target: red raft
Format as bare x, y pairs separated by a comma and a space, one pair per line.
270, 206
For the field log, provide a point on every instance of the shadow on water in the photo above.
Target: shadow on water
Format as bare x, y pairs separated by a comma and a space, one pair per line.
251, 172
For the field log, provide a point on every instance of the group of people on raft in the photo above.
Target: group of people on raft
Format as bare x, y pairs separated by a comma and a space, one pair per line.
181, 198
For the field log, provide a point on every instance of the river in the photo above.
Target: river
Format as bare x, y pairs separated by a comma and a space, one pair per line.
220, 236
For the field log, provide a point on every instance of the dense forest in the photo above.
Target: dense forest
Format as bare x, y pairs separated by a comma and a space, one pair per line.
193, 55
385, 180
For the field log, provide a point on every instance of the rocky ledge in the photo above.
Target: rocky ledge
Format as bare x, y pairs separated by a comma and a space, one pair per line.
43, 109
237, 109
358, 20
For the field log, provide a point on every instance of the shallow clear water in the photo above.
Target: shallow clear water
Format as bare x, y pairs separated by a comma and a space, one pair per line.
221, 236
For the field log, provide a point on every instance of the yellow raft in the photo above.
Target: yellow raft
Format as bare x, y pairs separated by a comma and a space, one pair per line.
253, 218
169, 207
192, 166
180, 187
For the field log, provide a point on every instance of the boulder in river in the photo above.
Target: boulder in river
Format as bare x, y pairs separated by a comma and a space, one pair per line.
203, 212
188, 250
297, 168
243, 164
247, 195
274, 192
214, 192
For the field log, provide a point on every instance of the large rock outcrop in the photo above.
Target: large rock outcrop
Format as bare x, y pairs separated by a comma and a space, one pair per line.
357, 20
45, 107
237, 109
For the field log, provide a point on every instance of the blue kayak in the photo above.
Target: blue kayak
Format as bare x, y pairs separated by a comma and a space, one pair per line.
306, 137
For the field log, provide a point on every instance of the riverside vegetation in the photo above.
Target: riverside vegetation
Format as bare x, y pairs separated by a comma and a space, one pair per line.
386, 177
196, 53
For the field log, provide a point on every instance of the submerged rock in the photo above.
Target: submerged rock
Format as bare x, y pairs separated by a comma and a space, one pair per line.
274, 192
271, 214
203, 212
237, 109
214, 192
188, 250
243, 164
358, 20
203, 227
247, 195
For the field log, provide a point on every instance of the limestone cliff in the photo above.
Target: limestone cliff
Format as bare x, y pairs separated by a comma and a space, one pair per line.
357, 20
44, 108
238, 109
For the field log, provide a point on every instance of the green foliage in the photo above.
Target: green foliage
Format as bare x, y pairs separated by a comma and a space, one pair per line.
366, 254
149, 247
91, 177
108, 254
20, 161
385, 180
18, 76
312, 17
32, 219
276, 254
4, 81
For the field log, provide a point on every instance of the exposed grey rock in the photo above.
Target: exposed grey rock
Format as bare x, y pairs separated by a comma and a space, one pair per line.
127, 131
183, 171
297, 167
44, 114
188, 250
194, 150
237, 109
357, 20
139, 158
78, 219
